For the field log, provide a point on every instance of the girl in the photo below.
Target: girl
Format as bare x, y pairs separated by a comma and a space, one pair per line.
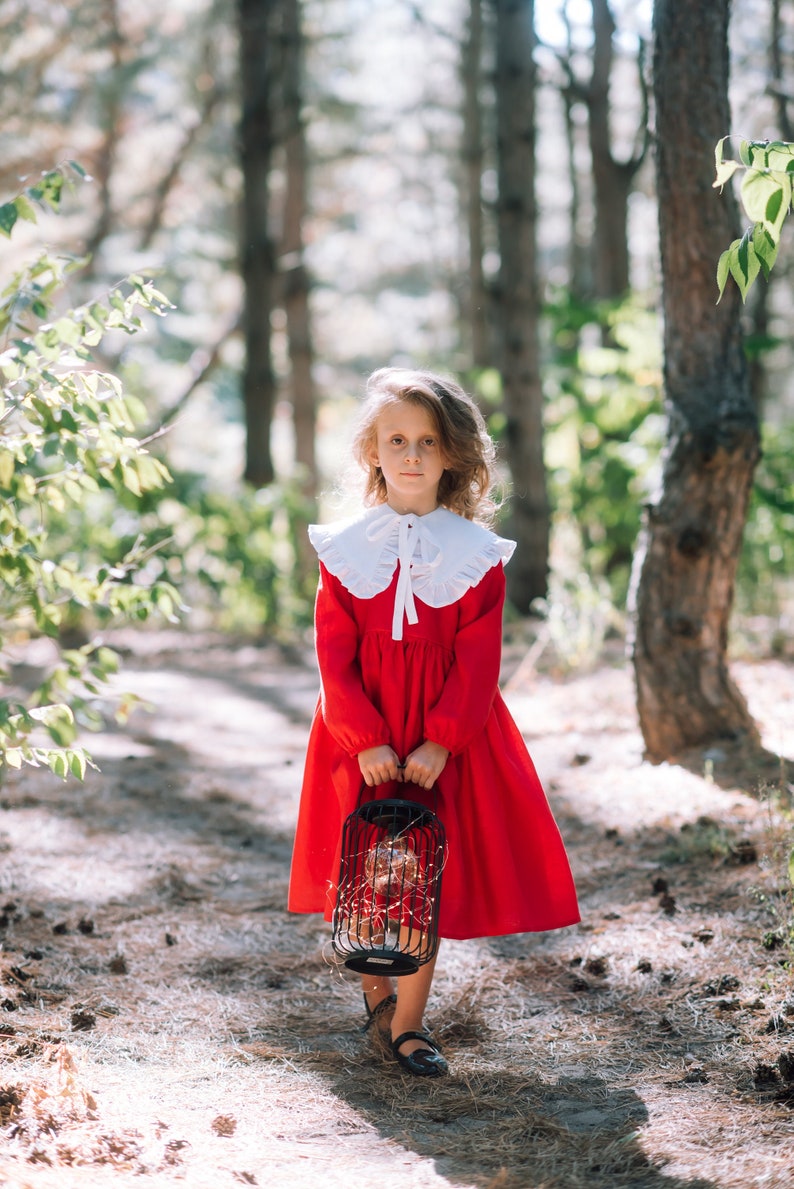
408, 629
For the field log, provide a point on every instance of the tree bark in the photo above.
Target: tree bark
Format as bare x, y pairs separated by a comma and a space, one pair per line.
257, 256
580, 264
685, 566
295, 278
473, 156
612, 179
518, 299
777, 82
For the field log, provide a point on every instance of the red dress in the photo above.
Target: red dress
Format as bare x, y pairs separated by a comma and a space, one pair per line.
507, 870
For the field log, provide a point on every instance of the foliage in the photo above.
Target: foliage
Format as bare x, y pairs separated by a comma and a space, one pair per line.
66, 434
767, 560
604, 425
766, 194
578, 614
234, 555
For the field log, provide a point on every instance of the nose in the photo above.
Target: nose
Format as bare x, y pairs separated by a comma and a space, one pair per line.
411, 452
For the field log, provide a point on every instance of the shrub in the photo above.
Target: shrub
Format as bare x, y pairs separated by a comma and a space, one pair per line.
66, 434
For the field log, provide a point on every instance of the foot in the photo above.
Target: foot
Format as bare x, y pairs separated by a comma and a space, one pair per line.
418, 1054
379, 1005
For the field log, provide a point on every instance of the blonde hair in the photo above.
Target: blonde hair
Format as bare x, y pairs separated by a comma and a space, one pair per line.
467, 484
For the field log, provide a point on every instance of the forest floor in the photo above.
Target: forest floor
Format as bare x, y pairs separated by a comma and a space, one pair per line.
165, 1021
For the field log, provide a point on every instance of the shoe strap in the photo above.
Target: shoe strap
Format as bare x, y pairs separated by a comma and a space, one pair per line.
395, 1044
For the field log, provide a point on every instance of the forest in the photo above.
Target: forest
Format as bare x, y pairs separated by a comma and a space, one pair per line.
217, 218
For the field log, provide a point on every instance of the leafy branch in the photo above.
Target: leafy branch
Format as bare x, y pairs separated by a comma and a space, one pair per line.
67, 436
766, 195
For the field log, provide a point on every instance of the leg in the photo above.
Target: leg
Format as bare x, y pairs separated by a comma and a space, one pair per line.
378, 996
411, 1002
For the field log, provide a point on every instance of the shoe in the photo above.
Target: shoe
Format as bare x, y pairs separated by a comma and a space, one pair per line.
422, 1063
387, 1004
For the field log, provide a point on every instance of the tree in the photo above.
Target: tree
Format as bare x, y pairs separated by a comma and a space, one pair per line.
256, 247
295, 278
473, 156
686, 560
518, 299
612, 178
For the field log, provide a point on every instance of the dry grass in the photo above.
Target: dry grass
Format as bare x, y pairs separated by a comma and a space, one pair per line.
166, 1022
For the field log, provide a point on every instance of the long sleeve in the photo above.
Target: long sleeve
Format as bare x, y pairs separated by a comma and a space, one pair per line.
461, 711
349, 714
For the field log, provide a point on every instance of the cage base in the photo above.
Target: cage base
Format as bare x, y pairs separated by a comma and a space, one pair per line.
385, 962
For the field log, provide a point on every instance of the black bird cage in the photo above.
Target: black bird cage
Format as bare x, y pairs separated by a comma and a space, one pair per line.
385, 920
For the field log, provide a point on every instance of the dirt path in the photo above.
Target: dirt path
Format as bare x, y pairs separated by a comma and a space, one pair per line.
165, 1022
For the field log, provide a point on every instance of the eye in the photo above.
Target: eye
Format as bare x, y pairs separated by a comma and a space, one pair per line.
430, 441
397, 440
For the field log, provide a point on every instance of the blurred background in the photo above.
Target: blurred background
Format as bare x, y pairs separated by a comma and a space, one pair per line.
313, 186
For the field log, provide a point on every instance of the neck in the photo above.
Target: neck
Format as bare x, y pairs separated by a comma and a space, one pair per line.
410, 509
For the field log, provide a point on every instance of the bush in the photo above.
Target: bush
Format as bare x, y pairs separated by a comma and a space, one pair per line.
66, 435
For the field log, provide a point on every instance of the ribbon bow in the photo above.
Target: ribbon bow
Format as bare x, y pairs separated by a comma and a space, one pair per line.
411, 533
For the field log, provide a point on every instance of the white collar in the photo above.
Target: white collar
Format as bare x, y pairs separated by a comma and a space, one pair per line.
441, 556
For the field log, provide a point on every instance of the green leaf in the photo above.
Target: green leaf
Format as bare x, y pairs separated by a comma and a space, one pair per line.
725, 171
25, 209
766, 248
758, 190
77, 763
13, 757
7, 464
744, 264
773, 205
724, 269
58, 763
8, 217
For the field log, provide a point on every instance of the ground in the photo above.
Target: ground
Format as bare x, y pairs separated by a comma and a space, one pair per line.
167, 1022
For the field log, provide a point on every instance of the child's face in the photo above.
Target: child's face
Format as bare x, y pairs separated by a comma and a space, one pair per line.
408, 452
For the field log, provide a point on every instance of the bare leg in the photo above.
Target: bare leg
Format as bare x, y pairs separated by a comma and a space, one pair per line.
412, 999
376, 989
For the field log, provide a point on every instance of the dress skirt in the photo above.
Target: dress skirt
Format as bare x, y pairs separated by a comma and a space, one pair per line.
506, 869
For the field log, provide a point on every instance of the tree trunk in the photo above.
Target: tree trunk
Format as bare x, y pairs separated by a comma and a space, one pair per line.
473, 166
579, 257
777, 82
256, 143
610, 182
295, 278
519, 299
686, 562
103, 165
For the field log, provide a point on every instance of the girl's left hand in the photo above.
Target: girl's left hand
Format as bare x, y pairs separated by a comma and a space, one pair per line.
425, 765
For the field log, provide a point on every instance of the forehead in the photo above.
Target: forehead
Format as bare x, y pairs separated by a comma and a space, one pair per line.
405, 417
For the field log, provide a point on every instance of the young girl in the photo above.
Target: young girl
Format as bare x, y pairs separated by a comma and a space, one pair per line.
408, 628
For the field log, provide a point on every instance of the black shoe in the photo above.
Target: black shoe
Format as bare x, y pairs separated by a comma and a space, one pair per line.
422, 1063
374, 1014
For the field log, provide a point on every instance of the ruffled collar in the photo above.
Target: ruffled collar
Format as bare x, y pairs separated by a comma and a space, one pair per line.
440, 556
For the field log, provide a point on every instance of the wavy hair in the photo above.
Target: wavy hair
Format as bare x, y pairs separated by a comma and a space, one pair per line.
467, 485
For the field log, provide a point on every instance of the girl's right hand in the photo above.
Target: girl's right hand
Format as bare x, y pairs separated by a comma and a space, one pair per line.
378, 764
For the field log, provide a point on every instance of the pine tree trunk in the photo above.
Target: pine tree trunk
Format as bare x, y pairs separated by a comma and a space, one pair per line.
473, 166
256, 250
294, 273
518, 299
686, 562
612, 180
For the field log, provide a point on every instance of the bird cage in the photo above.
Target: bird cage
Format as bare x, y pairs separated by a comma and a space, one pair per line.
385, 920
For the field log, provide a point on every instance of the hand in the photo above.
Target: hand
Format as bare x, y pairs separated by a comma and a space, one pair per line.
425, 765
379, 764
